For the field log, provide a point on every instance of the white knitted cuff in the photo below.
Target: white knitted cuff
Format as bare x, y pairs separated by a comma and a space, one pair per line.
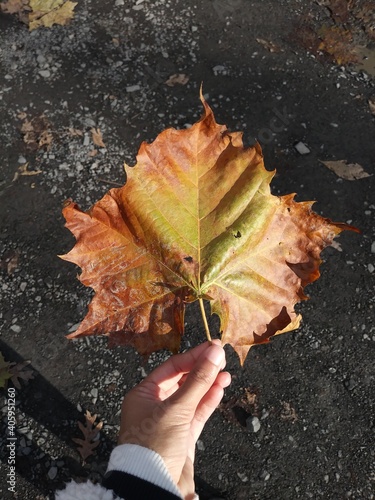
143, 463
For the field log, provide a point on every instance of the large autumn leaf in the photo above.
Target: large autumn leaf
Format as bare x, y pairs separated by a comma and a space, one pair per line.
196, 220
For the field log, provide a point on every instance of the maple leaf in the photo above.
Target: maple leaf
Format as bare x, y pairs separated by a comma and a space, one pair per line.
49, 12
196, 220
90, 431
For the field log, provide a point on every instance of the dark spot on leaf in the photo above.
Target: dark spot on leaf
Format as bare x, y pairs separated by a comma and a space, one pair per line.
189, 259
237, 235
288, 209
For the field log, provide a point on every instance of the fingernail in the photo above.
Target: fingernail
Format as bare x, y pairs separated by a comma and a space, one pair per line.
215, 354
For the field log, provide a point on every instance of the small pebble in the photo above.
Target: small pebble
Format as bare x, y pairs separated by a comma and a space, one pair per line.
301, 148
253, 424
15, 328
242, 476
200, 445
371, 268
133, 88
52, 473
45, 73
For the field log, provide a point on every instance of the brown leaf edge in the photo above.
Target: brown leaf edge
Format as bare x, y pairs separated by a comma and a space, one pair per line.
90, 431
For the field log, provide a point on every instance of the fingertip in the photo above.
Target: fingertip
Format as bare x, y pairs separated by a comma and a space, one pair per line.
216, 355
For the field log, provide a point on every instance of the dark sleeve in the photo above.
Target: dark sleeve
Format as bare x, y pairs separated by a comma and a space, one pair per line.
131, 487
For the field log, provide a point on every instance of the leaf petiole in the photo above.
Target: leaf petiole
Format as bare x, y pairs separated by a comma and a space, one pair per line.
204, 319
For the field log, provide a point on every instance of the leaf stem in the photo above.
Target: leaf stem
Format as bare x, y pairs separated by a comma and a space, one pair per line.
204, 319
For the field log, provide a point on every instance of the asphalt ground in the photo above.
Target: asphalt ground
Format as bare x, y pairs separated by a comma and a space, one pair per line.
298, 419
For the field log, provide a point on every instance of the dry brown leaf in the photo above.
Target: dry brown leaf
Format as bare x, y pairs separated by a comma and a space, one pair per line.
270, 46
339, 10
338, 43
90, 431
371, 103
9, 261
19, 7
19, 371
23, 171
177, 79
92, 153
345, 170
13, 263
365, 13
75, 132
238, 408
288, 413
37, 133
97, 137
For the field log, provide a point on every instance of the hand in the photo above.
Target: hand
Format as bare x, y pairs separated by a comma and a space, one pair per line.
167, 411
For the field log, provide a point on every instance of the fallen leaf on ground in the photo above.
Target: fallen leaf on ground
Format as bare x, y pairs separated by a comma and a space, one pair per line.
339, 9
239, 408
49, 12
177, 79
371, 103
37, 133
12, 264
288, 413
19, 7
337, 42
364, 11
23, 171
270, 46
36, 13
75, 132
9, 261
90, 431
196, 221
5, 374
345, 170
97, 137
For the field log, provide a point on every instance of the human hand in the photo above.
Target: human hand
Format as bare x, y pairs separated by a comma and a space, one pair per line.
167, 411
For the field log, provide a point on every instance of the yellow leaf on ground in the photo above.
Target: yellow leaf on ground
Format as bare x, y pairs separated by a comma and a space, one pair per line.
50, 12
345, 170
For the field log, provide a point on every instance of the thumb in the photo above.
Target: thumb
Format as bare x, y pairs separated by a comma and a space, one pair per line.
201, 377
